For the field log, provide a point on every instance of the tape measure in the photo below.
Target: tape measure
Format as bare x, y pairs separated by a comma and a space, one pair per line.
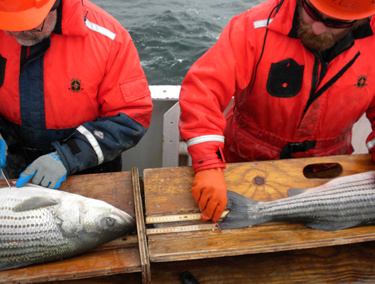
173, 218
177, 218
181, 229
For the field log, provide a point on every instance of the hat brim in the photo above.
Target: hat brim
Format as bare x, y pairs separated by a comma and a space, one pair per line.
360, 11
24, 20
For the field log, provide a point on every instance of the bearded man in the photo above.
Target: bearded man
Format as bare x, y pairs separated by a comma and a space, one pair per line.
301, 73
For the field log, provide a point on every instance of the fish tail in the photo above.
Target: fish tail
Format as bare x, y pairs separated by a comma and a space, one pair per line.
243, 212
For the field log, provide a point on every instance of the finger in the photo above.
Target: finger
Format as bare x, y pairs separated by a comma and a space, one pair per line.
210, 209
196, 192
23, 179
217, 213
45, 182
203, 202
57, 185
3, 163
38, 178
30, 170
3, 154
205, 217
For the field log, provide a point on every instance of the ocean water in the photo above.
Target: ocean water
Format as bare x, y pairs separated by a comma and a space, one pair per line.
170, 35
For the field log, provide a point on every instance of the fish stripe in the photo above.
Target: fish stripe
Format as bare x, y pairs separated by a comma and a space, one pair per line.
356, 196
52, 232
338, 204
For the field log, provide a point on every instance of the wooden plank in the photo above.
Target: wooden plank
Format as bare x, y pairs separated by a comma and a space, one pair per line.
141, 229
263, 181
118, 256
114, 188
258, 239
128, 278
90, 264
339, 264
167, 192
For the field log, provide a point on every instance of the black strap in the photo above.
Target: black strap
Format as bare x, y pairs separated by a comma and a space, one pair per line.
295, 147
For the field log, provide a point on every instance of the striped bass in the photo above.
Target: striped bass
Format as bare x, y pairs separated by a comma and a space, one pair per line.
341, 203
38, 225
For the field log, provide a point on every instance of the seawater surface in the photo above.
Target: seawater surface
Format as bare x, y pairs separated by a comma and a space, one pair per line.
171, 35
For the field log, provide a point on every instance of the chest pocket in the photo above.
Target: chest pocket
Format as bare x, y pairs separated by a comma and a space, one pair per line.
3, 62
285, 79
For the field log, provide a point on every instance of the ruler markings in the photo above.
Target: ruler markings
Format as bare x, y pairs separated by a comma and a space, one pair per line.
177, 218
181, 229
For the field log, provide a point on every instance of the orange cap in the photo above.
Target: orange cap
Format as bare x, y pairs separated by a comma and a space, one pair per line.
345, 9
23, 15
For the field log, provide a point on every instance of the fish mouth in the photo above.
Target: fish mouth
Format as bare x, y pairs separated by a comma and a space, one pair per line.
129, 220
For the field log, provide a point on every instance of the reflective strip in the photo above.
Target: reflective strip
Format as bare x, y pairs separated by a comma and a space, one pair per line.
100, 30
261, 23
205, 138
93, 142
370, 144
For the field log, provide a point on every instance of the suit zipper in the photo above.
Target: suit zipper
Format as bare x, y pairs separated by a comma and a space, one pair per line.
316, 94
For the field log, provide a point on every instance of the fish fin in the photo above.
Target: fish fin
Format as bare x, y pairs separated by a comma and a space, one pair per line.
34, 203
242, 212
238, 202
296, 191
332, 226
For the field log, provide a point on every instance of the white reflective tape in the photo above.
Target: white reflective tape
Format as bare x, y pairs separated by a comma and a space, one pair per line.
100, 30
205, 138
370, 144
93, 142
262, 23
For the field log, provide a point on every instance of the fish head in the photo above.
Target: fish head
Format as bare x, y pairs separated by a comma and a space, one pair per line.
117, 221
101, 218
91, 222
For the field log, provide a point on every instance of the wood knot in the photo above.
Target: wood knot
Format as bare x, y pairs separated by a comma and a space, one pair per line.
259, 180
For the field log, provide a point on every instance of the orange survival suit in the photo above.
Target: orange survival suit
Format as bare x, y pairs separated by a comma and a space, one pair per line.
82, 92
289, 101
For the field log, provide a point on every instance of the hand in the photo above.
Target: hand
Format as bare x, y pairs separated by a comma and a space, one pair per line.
3, 152
47, 171
210, 192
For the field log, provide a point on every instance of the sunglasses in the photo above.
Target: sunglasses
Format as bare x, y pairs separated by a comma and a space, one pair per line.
38, 30
328, 23
54, 7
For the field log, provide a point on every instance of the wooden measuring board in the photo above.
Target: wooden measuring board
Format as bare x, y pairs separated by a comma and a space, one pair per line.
119, 256
167, 193
351, 263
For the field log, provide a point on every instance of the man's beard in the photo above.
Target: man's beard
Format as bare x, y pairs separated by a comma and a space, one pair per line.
32, 38
324, 40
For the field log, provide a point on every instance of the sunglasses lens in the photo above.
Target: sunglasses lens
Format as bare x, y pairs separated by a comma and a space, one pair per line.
328, 23
338, 25
310, 11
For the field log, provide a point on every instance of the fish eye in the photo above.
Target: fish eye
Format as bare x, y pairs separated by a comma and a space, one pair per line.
110, 222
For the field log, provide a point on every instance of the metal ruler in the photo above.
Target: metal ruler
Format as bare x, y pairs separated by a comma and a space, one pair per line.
180, 218
181, 229
177, 218
173, 218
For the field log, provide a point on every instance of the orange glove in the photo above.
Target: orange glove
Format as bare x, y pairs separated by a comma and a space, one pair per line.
210, 192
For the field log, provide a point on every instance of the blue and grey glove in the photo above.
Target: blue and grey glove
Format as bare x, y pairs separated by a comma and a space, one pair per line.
47, 171
3, 152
